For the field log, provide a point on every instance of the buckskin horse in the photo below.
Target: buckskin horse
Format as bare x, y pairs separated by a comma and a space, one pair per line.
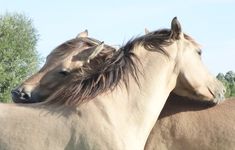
192, 125
105, 98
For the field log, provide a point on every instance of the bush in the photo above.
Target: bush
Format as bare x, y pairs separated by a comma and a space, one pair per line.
18, 55
229, 82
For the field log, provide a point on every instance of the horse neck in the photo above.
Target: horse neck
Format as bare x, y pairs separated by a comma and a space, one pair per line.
133, 112
159, 80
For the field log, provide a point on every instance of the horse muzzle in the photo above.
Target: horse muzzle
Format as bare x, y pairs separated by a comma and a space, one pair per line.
21, 96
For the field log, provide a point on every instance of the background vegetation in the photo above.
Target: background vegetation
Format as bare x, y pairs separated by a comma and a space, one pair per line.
229, 82
18, 55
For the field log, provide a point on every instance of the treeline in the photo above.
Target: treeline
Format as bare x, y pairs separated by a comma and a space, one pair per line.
228, 80
18, 55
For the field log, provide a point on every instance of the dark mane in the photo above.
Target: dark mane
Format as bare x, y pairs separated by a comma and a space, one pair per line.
156, 41
153, 41
106, 70
101, 74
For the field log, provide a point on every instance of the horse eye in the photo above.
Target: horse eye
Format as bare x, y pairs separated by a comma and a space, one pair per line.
64, 72
199, 52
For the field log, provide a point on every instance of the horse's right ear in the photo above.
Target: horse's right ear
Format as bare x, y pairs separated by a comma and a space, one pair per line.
146, 31
176, 30
83, 34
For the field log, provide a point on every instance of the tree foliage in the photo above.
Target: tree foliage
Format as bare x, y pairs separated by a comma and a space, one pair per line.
229, 82
18, 55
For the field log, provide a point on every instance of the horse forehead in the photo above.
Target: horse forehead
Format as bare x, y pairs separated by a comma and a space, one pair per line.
184, 45
179, 48
190, 43
66, 50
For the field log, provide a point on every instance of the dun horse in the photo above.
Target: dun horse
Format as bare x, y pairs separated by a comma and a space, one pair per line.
191, 125
105, 99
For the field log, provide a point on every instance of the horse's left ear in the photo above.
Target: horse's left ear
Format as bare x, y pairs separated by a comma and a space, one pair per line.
146, 31
90, 53
176, 30
96, 51
83, 34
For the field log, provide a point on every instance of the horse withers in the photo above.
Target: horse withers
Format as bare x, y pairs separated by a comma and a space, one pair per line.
97, 97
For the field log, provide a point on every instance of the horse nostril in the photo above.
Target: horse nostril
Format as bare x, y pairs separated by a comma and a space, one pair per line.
25, 95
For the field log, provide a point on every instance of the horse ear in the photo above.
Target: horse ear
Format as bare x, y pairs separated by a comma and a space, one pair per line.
97, 50
146, 31
83, 34
176, 31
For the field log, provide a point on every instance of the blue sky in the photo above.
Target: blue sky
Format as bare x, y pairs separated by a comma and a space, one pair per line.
209, 22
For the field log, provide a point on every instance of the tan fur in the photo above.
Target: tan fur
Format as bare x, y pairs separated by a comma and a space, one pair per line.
187, 125
36, 128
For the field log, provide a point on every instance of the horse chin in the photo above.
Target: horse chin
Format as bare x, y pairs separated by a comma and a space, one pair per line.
19, 100
23, 100
215, 100
218, 99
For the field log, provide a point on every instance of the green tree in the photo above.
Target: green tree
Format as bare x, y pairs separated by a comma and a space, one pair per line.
233, 91
220, 77
230, 76
18, 55
229, 82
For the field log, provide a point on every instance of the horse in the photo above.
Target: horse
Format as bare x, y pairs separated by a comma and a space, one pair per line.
105, 98
192, 125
